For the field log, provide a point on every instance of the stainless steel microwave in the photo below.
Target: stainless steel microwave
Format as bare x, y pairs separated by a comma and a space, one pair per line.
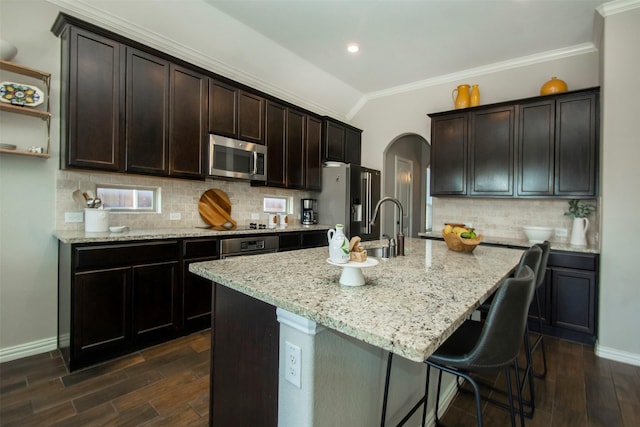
231, 158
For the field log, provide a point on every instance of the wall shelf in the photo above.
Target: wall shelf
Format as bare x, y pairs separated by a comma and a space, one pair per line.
42, 114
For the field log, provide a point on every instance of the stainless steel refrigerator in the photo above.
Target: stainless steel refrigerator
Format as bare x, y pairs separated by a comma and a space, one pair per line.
349, 195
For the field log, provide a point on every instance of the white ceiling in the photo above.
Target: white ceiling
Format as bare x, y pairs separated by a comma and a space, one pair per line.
406, 41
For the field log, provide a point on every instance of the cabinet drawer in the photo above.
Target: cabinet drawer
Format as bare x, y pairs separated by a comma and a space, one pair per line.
93, 257
578, 261
314, 239
201, 248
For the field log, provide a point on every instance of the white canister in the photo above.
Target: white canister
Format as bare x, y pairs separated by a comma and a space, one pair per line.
272, 221
284, 220
96, 220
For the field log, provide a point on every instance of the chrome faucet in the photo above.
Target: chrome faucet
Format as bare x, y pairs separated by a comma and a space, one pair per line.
400, 237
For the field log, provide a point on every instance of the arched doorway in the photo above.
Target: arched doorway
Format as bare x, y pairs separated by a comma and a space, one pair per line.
405, 177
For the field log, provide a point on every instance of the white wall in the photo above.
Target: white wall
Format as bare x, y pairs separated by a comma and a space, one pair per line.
619, 318
28, 251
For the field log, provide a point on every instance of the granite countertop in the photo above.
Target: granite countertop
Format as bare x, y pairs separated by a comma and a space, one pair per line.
520, 243
72, 237
409, 305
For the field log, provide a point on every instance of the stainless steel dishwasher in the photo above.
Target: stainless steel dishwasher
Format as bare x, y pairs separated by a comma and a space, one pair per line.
250, 245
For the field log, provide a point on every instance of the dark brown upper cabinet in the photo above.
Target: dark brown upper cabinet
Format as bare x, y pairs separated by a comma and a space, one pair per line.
294, 160
276, 135
126, 110
285, 137
576, 149
313, 154
491, 151
342, 143
545, 146
187, 123
236, 113
449, 155
147, 113
536, 148
92, 92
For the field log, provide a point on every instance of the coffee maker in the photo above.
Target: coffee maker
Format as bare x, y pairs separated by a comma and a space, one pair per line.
309, 211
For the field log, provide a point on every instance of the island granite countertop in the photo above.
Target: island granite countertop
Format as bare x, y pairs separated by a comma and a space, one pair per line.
409, 305
72, 237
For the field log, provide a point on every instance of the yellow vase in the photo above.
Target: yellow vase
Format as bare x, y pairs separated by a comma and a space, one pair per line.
474, 100
555, 85
462, 99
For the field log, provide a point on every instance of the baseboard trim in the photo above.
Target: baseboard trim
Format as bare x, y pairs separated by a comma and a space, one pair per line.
617, 355
28, 349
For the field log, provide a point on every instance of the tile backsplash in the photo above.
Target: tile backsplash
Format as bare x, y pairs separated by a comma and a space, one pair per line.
505, 217
177, 196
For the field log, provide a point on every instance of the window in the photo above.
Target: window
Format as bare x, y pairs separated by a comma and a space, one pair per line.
122, 198
274, 205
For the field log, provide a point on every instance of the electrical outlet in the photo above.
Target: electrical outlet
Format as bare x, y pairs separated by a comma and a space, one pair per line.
562, 232
292, 364
175, 216
73, 217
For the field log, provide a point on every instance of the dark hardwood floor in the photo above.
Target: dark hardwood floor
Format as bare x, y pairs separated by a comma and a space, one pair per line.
168, 385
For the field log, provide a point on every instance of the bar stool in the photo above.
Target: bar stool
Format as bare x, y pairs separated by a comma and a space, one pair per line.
540, 277
479, 346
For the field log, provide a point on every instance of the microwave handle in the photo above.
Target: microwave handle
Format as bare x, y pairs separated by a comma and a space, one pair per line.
255, 162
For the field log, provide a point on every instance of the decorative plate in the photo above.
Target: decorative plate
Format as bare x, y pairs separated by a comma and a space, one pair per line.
21, 94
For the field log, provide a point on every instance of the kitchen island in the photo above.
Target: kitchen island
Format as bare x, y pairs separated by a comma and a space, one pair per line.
409, 305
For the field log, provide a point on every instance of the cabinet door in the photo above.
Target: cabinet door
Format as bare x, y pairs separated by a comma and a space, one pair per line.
223, 109
288, 241
93, 68
313, 239
576, 145
536, 149
313, 157
275, 141
491, 152
449, 155
147, 113
156, 301
187, 123
294, 158
573, 300
101, 314
250, 117
353, 146
334, 141
197, 300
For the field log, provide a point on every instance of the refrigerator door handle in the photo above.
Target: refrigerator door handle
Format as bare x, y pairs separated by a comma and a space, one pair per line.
366, 202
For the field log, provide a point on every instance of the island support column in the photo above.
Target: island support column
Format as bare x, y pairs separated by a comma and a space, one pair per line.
342, 380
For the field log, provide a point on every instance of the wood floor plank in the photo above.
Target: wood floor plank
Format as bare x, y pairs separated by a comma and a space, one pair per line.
31, 393
133, 417
158, 388
101, 369
602, 403
160, 359
95, 416
630, 413
182, 416
47, 417
168, 403
111, 392
44, 401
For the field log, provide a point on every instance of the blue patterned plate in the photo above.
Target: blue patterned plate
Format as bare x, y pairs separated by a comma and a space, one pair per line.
21, 94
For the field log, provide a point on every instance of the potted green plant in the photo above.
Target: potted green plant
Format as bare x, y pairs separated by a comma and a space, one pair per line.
579, 212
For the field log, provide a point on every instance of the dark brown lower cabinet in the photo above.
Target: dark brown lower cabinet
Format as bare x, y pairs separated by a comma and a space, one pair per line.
244, 361
569, 297
116, 298
197, 290
301, 240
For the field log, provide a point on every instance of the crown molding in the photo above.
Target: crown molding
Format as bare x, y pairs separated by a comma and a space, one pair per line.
523, 61
617, 6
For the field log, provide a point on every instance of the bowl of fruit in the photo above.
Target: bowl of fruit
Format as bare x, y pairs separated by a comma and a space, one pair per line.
460, 238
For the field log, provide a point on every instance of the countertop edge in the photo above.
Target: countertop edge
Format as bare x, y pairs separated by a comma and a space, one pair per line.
519, 243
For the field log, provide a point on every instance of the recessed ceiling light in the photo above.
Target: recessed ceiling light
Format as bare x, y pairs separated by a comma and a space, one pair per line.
353, 48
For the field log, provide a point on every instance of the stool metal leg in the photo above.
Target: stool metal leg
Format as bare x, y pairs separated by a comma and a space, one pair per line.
386, 390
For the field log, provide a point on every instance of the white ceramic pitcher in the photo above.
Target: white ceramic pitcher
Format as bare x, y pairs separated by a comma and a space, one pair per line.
579, 231
338, 245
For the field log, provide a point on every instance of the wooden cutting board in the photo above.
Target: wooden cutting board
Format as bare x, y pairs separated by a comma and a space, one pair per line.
215, 209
